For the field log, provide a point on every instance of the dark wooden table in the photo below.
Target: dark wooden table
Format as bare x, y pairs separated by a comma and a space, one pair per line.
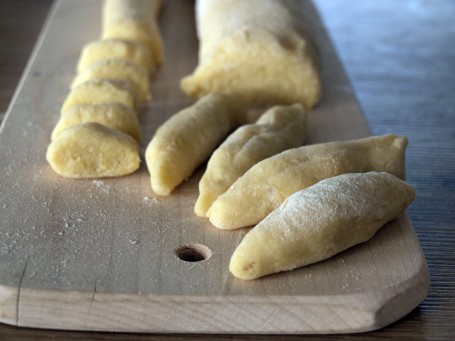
400, 57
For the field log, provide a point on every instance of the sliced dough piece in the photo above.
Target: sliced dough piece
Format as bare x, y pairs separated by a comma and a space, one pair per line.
100, 50
100, 91
134, 20
267, 184
113, 115
118, 70
256, 49
278, 129
316, 223
91, 150
188, 138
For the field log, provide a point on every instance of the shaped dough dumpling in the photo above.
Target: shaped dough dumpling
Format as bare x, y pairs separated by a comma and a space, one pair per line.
134, 20
258, 50
267, 184
91, 150
188, 138
278, 129
118, 70
100, 50
113, 115
100, 91
318, 222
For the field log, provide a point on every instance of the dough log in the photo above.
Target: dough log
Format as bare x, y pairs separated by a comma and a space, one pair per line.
267, 184
188, 138
255, 49
316, 223
278, 129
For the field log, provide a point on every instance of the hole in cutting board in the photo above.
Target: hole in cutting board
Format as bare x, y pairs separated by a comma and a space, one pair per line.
193, 252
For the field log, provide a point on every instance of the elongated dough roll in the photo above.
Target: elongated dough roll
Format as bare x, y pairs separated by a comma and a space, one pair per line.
118, 70
188, 138
100, 91
100, 50
113, 115
316, 223
134, 20
278, 129
91, 150
255, 49
267, 184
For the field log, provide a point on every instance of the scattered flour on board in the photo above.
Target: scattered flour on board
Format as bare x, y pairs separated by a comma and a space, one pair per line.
101, 185
154, 200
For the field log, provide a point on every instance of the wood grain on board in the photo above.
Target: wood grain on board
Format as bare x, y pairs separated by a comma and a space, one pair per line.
100, 254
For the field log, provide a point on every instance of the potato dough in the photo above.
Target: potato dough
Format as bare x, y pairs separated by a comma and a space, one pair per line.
118, 70
113, 115
278, 129
134, 20
188, 138
255, 49
316, 223
100, 91
100, 50
267, 184
91, 150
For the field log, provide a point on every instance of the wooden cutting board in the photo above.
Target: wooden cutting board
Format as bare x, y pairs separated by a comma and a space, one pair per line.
101, 254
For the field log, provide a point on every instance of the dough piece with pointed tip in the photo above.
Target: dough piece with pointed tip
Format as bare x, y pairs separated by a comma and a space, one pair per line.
267, 184
100, 50
113, 115
91, 150
188, 138
118, 70
278, 129
257, 49
134, 20
100, 91
316, 223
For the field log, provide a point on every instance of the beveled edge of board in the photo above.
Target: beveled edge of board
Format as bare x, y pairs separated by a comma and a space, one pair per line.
9, 302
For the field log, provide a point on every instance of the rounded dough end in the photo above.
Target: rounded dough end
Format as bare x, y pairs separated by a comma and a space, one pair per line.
203, 203
250, 260
221, 218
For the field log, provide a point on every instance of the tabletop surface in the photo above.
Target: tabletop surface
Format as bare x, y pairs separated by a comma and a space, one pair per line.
400, 59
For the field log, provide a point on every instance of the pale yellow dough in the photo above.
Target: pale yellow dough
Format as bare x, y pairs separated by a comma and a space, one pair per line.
316, 223
278, 129
113, 115
118, 70
267, 184
134, 20
91, 150
255, 49
100, 91
100, 50
188, 138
